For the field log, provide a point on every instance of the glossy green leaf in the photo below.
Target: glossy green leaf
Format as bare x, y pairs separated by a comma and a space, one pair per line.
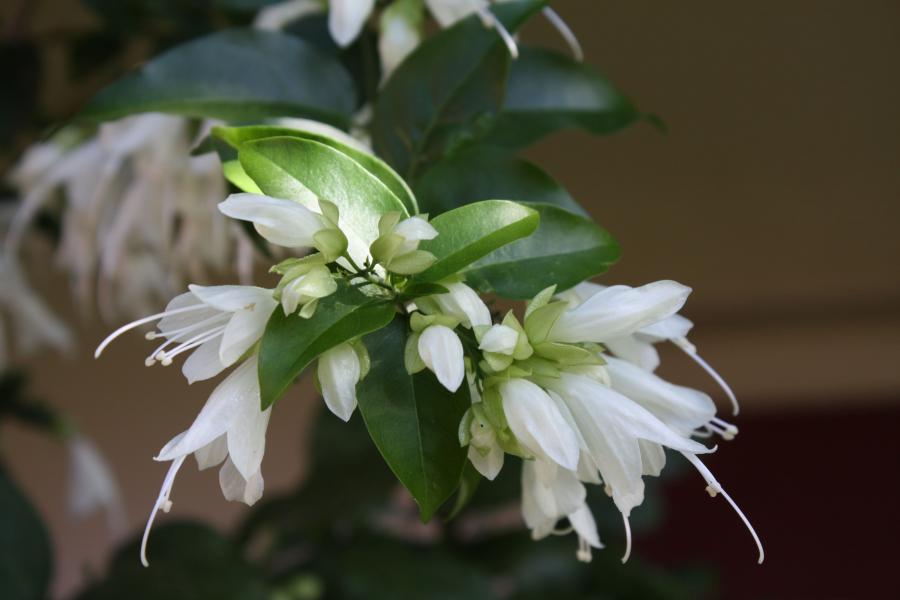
481, 173
468, 485
412, 420
548, 91
291, 343
235, 137
303, 169
445, 91
237, 74
565, 250
26, 559
470, 232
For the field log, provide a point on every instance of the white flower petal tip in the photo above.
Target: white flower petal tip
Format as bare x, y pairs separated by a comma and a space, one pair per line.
282, 222
339, 371
346, 19
499, 338
442, 352
538, 424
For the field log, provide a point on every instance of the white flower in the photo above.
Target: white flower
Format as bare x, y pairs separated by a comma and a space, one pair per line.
92, 485
442, 352
538, 424
618, 311
638, 348
306, 289
231, 428
550, 494
339, 371
448, 12
400, 26
275, 16
484, 452
282, 222
346, 19
461, 302
218, 323
35, 325
501, 339
413, 230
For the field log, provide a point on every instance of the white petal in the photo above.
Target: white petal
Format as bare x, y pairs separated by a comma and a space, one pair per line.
338, 372
216, 416
537, 423
282, 222
464, 304
489, 463
204, 362
401, 32
237, 489
635, 350
499, 338
212, 454
415, 229
346, 19
653, 458
618, 311
584, 525
549, 500
276, 16
247, 431
243, 330
448, 12
232, 298
669, 328
442, 352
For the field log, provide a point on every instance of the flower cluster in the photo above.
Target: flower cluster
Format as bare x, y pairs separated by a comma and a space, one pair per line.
569, 387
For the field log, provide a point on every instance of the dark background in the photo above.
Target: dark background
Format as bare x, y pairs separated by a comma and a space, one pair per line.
775, 194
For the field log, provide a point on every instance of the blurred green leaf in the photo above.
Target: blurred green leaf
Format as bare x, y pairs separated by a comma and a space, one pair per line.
481, 173
470, 232
289, 344
565, 250
26, 558
413, 420
188, 561
237, 74
548, 91
446, 90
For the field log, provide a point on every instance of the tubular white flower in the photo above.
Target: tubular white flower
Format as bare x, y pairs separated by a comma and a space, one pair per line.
339, 371
282, 222
346, 19
538, 424
218, 323
231, 420
618, 311
463, 304
442, 352
92, 485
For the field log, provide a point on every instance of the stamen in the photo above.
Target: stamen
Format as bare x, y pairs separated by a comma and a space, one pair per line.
713, 488
162, 503
584, 551
691, 351
727, 433
489, 20
197, 340
703, 432
627, 539
139, 322
567, 34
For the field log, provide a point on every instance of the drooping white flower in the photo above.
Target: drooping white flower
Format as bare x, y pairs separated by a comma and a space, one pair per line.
231, 427
282, 222
538, 424
618, 311
550, 494
219, 324
442, 352
339, 371
346, 19
461, 302
92, 485
638, 347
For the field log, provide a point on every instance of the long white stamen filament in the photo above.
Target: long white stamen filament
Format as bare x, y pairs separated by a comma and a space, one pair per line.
689, 349
584, 551
174, 334
159, 353
627, 539
726, 430
166, 357
716, 488
489, 20
139, 322
162, 503
565, 31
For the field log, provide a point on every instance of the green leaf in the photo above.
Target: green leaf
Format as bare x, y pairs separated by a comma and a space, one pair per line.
468, 485
565, 250
187, 561
480, 173
290, 344
236, 136
412, 420
26, 559
237, 74
548, 91
470, 232
303, 169
445, 91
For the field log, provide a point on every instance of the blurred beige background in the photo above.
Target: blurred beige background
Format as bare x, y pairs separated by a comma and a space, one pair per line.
775, 195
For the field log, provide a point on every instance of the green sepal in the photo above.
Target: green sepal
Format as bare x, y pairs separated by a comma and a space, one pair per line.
411, 359
541, 321
330, 211
567, 354
541, 299
332, 243
412, 262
